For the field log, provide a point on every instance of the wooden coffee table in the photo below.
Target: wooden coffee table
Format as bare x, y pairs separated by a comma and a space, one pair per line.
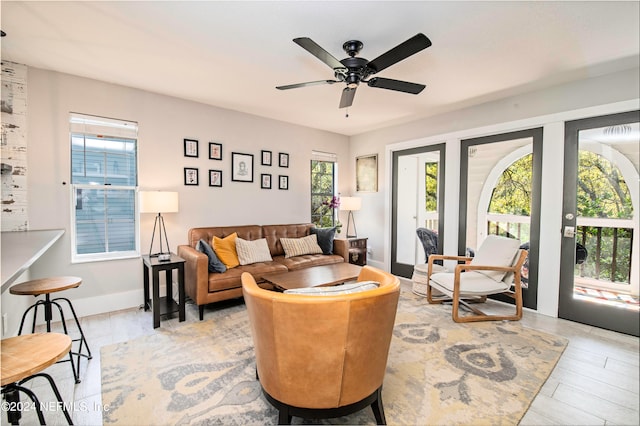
316, 276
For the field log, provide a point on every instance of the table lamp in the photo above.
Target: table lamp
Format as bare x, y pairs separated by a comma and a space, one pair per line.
351, 204
159, 202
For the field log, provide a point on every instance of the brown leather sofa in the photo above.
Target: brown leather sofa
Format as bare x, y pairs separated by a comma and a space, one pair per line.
204, 287
323, 356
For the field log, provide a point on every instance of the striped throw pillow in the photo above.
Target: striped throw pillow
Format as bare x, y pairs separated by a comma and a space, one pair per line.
252, 251
336, 290
299, 246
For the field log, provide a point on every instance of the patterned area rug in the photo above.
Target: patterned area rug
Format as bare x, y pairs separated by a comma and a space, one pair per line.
438, 373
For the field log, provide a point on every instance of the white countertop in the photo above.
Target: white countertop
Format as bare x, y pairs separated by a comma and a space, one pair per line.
21, 249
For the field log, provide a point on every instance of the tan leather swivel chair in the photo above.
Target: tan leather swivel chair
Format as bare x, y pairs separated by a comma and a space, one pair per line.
323, 356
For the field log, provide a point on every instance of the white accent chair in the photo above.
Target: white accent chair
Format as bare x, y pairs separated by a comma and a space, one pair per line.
495, 269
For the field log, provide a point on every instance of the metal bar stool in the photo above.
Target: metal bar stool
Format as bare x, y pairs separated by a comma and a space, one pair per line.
23, 359
47, 286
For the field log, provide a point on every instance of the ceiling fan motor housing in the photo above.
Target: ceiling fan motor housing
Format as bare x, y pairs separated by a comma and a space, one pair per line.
356, 71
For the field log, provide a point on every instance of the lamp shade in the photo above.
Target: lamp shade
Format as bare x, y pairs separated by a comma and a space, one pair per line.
158, 202
350, 203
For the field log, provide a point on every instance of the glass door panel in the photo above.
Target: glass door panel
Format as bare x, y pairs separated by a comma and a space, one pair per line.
499, 195
418, 185
599, 281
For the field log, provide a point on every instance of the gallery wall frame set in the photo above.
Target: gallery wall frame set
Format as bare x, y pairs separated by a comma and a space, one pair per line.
242, 166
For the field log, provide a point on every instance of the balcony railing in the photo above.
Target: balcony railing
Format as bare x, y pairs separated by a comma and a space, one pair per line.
608, 243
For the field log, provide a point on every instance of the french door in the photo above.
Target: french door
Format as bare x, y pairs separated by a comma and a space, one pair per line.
599, 254
417, 202
500, 183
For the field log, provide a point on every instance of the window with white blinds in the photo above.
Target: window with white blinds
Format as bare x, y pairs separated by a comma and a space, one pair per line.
103, 182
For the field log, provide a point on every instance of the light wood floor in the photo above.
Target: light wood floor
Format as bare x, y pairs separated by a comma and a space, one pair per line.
596, 382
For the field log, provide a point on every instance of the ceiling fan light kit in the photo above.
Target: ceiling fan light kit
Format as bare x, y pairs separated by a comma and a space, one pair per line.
354, 70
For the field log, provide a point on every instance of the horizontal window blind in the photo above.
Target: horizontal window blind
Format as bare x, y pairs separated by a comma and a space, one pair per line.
104, 179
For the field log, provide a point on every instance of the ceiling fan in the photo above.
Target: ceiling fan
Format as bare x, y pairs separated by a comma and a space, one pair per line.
355, 70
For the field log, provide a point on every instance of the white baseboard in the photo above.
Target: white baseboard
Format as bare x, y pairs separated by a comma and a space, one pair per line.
110, 303
94, 306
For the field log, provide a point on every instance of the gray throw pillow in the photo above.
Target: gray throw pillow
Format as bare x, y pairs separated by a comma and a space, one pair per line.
215, 265
325, 238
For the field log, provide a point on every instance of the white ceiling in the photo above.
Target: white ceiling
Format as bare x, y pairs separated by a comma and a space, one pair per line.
233, 54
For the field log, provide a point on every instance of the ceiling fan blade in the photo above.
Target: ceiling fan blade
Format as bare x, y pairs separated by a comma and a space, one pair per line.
347, 97
317, 51
397, 85
402, 51
310, 83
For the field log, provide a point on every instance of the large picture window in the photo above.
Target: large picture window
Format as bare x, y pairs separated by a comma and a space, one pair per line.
103, 184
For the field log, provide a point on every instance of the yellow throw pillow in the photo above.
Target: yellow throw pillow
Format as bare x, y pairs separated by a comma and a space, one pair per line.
225, 249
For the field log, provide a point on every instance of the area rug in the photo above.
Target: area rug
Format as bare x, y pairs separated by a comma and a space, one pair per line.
439, 372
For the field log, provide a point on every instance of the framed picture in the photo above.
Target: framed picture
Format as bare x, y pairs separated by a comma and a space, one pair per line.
265, 181
190, 176
241, 167
367, 173
190, 148
265, 158
215, 177
215, 151
283, 182
283, 159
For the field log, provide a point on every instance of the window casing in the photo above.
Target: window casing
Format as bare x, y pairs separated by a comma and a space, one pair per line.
103, 188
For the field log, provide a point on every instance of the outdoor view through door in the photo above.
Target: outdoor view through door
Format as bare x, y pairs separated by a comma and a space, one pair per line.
600, 214
499, 195
418, 185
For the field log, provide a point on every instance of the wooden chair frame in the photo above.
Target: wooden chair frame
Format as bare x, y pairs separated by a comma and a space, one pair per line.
458, 299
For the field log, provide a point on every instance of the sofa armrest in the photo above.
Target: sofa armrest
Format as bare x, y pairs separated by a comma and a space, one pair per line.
196, 273
341, 248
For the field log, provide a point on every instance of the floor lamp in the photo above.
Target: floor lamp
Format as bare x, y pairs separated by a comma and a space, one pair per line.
158, 202
351, 204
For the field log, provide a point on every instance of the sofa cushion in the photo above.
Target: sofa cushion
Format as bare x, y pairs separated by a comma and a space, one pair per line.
247, 232
300, 246
273, 233
325, 238
335, 290
308, 260
231, 278
225, 249
215, 265
252, 251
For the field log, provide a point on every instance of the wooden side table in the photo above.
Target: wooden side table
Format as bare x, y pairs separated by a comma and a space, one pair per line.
163, 305
358, 251
24, 358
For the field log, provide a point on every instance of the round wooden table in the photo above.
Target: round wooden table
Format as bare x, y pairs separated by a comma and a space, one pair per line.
47, 286
25, 357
